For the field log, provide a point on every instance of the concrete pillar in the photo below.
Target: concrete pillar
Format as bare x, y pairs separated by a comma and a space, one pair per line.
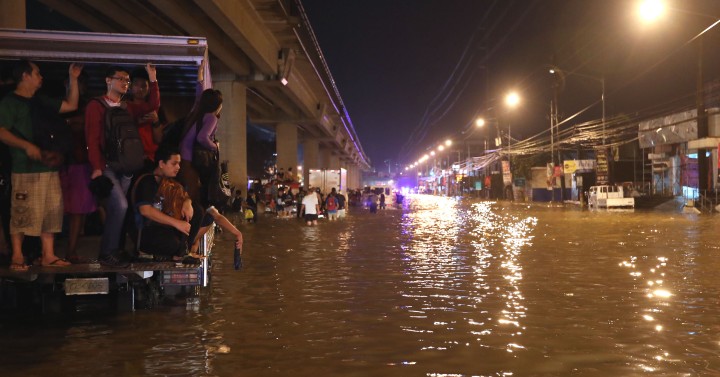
286, 145
349, 181
333, 162
232, 130
353, 176
12, 14
325, 155
311, 158
358, 177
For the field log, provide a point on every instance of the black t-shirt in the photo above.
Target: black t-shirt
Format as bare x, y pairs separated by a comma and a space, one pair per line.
250, 202
145, 193
237, 203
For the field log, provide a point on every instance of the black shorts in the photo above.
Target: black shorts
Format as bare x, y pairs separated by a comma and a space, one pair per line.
311, 217
162, 240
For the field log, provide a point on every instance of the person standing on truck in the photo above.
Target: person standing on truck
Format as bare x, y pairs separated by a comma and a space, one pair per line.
36, 202
116, 164
78, 200
144, 104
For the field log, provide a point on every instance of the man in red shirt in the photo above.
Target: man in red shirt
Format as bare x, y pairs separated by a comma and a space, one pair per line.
117, 80
145, 104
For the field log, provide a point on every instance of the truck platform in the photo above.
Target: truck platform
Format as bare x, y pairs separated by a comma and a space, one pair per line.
143, 284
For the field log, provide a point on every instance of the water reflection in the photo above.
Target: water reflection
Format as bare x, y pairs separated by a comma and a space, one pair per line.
443, 288
454, 282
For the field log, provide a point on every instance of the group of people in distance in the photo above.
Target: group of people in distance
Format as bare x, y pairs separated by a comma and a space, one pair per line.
312, 205
122, 159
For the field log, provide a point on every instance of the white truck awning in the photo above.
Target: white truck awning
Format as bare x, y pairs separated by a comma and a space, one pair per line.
66, 46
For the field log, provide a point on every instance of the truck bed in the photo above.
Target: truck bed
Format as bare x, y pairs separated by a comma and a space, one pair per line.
141, 268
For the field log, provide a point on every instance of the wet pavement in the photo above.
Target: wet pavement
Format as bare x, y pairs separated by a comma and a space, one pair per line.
440, 288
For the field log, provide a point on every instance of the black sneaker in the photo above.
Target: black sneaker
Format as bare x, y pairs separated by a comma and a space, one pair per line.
163, 258
112, 261
188, 260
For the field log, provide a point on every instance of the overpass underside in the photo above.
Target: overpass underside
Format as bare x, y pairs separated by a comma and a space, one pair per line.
264, 58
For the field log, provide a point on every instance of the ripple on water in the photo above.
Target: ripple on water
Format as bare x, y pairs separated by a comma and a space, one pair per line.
444, 287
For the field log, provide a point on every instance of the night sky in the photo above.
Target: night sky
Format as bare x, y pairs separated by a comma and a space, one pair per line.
414, 72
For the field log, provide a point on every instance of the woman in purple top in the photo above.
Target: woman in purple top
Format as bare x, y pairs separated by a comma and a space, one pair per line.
200, 127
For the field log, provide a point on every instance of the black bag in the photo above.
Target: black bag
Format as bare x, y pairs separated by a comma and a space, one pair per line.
51, 133
204, 159
124, 151
218, 189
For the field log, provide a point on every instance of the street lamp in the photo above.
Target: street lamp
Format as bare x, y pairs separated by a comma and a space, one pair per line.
512, 100
651, 10
560, 73
479, 123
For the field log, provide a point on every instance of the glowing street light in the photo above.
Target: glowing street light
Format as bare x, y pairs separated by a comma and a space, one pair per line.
448, 142
512, 99
441, 148
651, 10
480, 122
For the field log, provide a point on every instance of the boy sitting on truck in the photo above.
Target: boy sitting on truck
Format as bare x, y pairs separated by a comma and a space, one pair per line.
166, 216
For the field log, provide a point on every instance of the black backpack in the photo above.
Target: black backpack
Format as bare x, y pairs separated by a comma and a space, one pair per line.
123, 148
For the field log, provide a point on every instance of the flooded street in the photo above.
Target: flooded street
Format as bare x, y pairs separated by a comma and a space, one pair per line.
441, 288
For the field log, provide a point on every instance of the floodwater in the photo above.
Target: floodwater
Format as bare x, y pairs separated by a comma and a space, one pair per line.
441, 288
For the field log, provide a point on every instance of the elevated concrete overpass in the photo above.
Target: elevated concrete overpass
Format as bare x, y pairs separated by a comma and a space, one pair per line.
265, 60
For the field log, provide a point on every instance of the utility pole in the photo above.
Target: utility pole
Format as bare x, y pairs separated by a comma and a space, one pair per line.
553, 124
702, 124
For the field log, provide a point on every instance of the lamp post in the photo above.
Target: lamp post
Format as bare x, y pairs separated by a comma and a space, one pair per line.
512, 99
448, 143
480, 123
651, 11
559, 73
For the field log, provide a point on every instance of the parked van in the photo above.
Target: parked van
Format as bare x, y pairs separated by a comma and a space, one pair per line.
607, 196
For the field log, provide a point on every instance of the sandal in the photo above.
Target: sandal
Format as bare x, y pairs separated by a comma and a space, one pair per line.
19, 267
75, 259
163, 258
58, 262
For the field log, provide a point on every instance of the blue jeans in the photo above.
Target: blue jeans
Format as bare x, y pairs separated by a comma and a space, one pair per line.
115, 207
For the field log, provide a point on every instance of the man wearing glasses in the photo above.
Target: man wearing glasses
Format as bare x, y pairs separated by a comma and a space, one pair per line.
117, 80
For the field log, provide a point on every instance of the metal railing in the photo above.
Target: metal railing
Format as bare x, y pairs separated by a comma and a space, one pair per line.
706, 201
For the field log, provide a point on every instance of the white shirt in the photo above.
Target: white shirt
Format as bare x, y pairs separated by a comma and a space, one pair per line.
310, 201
